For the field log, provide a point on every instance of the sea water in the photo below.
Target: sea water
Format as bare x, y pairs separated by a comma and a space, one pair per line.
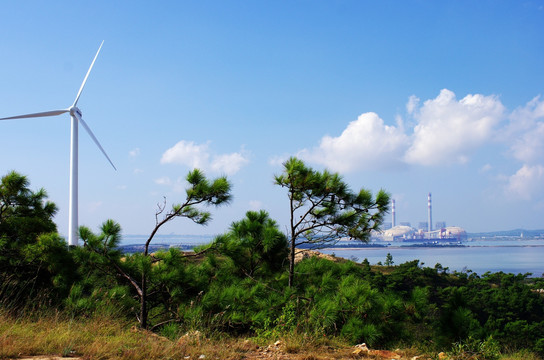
509, 255
479, 259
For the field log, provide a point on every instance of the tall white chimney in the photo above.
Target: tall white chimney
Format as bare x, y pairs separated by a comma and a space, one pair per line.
430, 225
394, 219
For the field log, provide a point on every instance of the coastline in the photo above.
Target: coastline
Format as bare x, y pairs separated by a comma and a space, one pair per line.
429, 247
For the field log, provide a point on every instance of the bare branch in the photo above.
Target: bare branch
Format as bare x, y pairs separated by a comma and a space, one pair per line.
160, 209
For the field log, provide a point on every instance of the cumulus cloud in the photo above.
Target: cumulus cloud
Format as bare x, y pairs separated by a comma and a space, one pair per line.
529, 148
445, 130
366, 143
200, 156
526, 132
527, 182
187, 153
448, 130
525, 137
524, 117
229, 164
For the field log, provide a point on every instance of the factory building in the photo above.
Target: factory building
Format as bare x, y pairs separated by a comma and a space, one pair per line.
405, 232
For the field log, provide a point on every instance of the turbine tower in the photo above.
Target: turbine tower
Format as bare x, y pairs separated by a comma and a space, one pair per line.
393, 218
430, 226
76, 119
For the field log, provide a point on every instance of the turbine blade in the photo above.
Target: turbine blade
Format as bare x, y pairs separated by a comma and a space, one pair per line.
95, 139
86, 76
40, 114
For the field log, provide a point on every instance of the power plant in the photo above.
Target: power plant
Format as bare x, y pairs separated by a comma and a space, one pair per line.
405, 232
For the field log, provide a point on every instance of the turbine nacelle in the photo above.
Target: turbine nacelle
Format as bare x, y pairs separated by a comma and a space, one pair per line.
74, 111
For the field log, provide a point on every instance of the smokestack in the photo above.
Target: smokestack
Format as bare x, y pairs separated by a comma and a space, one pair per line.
394, 220
430, 226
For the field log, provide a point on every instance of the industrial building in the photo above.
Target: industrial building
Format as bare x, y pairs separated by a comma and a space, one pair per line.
425, 231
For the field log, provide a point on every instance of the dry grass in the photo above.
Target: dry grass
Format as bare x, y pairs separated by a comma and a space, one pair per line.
96, 338
109, 338
521, 355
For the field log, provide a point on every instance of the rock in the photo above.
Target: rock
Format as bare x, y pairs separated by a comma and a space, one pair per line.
304, 254
362, 346
360, 349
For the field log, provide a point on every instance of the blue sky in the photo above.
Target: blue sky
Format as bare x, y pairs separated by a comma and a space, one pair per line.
409, 96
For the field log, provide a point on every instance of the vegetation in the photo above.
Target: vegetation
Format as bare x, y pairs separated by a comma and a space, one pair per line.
238, 287
35, 265
105, 256
323, 209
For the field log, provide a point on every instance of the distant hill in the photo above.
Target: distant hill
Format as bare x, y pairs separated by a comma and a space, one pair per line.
515, 232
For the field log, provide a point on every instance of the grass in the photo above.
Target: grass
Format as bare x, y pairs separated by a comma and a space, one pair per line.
96, 338
106, 337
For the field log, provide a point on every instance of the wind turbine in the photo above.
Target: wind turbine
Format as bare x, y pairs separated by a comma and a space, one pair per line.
76, 119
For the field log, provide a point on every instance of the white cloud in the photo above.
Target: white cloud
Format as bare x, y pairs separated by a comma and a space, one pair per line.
527, 182
366, 143
443, 130
525, 116
529, 148
165, 180
187, 153
134, 152
525, 132
199, 156
413, 103
229, 164
278, 160
179, 185
448, 130
524, 136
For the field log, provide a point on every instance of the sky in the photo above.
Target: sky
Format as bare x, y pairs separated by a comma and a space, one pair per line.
412, 97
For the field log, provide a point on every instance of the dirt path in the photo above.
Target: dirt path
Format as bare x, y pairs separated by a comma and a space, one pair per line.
46, 357
277, 351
